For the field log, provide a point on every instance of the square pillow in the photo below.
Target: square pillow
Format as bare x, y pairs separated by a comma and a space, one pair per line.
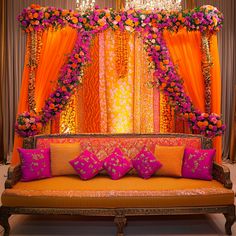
61, 154
198, 164
116, 164
145, 163
87, 165
35, 163
171, 158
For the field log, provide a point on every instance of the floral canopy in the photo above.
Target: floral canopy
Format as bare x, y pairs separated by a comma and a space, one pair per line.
151, 25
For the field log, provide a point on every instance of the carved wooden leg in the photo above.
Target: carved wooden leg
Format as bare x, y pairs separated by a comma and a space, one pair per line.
230, 219
4, 215
120, 222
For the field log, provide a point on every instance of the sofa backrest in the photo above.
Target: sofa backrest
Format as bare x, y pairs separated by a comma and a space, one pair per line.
130, 144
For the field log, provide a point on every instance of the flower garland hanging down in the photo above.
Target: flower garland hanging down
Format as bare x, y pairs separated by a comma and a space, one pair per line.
151, 25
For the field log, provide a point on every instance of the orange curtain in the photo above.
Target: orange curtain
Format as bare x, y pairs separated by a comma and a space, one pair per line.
185, 51
55, 51
56, 45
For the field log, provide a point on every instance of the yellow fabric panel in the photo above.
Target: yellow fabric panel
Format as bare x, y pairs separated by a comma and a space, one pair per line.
131, 191
171, 158
61, 154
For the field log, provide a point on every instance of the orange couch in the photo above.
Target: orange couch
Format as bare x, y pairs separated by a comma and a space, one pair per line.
128, 196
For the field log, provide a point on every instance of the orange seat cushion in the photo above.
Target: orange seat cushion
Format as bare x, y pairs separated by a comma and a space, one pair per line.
130, 191
171, 158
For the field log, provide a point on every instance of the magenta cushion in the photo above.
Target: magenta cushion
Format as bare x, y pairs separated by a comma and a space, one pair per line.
35, 164
145, 163
87, 165
116, 164
198, 164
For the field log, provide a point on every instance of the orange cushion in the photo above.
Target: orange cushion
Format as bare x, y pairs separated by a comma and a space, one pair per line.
171, 158
130, 191
61, 154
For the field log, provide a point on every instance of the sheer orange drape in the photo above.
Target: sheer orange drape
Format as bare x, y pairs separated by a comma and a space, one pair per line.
56, 46
185, 51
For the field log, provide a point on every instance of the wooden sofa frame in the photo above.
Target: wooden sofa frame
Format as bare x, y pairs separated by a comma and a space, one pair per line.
220, 173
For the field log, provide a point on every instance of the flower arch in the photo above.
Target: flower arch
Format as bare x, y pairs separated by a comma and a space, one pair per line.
35, 19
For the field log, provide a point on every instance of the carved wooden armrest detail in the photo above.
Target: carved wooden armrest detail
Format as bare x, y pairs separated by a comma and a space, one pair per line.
222, 174
13, 176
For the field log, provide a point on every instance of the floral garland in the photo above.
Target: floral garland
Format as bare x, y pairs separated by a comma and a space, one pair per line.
151, 24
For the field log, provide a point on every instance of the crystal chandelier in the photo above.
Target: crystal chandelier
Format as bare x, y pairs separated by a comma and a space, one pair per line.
83, 5
168, 5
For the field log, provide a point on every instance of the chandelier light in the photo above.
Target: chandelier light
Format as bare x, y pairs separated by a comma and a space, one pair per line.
169, 5
83, 5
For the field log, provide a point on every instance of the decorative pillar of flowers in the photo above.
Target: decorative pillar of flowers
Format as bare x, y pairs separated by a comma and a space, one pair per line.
206, 70
34, 50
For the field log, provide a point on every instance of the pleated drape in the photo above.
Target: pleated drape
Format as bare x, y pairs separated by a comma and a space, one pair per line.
185, 50
57, 45
182, 46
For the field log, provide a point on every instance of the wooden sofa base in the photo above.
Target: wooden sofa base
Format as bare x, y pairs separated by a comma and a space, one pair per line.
119, 214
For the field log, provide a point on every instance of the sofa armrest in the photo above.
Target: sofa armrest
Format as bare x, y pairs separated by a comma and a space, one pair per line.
13, 176
222, 174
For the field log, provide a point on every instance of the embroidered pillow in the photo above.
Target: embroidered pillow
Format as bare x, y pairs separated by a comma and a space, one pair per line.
171, 158
198, 164
35, 163
145, 163
86, 165
116, 164
61, 154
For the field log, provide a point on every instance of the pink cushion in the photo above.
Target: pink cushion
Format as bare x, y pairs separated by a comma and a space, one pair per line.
197, 163
35, 163
116, 164
86, 165
145, 163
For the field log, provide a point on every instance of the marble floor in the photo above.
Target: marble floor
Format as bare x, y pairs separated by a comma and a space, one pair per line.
137, 226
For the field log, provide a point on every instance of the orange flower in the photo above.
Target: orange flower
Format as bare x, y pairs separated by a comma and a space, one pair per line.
108, 14
74, 20
129, 22
65, 12
39, 126
205, 123
163, 85
36, 15
31, 16
200, 124
102, 22
157, 47
57, 13
154, 36
162, 66
180, 17
186, 115
51, 106
159, 17
219, 123
47, 15
84, 20
33, 127
172, 84
118, 18
166, 62
74, 65
197, 21
211, 127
